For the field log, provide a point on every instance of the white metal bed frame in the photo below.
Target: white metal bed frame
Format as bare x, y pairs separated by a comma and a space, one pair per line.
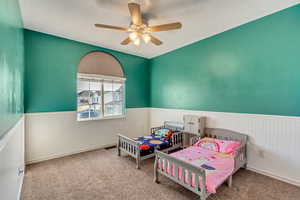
132, 147
161, 159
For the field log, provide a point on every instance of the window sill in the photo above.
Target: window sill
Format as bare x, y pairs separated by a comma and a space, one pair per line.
102, 118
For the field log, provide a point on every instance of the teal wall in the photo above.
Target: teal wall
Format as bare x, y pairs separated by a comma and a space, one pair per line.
51, 66
254, 68
11, 65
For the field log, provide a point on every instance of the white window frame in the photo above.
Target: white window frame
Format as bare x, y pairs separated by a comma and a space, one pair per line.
103, 79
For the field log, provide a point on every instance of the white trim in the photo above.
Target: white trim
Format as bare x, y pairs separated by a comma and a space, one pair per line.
100, 77
49, 113
246, 114
53, 156
71, 111
101, 118
270, 174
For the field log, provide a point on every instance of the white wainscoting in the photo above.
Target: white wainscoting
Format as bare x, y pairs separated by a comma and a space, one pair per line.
11, 161
57, 134
274, 141
273, 149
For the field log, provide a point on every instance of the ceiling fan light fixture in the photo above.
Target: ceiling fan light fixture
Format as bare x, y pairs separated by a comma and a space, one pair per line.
133, 35
139, 29
137, 41
146, 38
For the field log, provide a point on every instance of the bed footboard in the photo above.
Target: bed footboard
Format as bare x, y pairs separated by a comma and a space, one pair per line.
240, 159
130, 147
163, 165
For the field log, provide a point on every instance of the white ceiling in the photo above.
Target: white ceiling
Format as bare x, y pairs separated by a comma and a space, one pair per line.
75, 19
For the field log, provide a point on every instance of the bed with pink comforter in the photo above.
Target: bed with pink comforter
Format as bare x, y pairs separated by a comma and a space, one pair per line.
218, 166
210, 161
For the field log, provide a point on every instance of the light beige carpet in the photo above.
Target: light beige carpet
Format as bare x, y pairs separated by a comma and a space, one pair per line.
102, 175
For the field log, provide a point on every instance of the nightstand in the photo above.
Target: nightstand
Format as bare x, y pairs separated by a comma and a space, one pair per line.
193, 129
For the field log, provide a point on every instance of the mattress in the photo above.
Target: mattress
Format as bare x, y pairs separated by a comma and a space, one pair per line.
218, 166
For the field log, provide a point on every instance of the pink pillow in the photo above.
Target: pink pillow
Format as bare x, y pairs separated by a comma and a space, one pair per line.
221, 146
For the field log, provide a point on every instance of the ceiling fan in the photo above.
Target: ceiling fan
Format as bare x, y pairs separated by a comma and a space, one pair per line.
139, 28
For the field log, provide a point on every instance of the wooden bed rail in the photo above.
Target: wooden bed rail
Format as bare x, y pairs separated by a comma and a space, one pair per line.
164, 161
224, 134
240, 159
129, 146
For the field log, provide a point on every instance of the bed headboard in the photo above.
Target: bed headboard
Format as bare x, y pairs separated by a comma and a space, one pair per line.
225, 134
173, 125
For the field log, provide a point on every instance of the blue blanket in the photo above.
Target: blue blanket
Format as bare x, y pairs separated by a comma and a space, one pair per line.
149, 143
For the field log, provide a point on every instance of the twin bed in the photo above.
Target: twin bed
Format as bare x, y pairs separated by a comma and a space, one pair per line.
164, 138
202, 167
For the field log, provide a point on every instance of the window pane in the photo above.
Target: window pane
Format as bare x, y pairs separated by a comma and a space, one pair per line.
95, 99
89, 99
118, 98
113, 98
118, 109
117, 86
108, 98
83, 98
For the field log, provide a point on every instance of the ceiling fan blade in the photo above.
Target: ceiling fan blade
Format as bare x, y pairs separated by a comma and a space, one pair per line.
135, 12
111, 27
165, 27
155, 41
126, 41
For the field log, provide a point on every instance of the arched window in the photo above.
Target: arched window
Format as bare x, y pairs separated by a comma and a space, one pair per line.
100, 87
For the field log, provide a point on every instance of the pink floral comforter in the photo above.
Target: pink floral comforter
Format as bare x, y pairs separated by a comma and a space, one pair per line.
218, 166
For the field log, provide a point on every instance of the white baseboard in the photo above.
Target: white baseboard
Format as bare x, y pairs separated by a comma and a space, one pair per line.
269, 174
50, 157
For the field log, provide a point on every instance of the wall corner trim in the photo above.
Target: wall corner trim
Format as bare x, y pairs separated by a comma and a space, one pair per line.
5, 138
